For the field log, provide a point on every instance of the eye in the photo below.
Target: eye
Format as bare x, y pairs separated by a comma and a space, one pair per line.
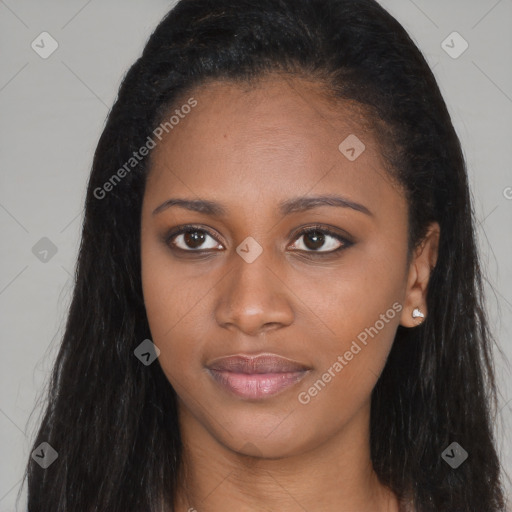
196, 239
191, 239
316, 237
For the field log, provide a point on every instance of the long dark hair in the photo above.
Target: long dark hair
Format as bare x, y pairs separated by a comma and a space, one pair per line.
113, 420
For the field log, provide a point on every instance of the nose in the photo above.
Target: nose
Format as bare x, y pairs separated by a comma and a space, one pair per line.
253, 298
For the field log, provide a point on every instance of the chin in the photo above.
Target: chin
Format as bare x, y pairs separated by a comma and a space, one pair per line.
263, 435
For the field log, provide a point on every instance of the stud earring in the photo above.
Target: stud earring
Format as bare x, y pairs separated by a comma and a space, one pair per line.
416, 313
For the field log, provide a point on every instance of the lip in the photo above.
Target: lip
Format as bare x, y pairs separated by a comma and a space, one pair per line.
261, 363
256, 377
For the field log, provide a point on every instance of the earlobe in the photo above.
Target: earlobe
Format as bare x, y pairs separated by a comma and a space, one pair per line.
422, 264
413, 316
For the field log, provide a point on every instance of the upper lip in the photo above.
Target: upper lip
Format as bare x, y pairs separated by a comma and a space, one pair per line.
262, 363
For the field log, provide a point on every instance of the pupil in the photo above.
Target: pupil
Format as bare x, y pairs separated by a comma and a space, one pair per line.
317, 237
192, 239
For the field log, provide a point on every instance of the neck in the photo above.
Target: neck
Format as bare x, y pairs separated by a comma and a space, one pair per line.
336, 476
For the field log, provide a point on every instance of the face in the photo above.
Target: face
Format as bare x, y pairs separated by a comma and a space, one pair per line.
317, 287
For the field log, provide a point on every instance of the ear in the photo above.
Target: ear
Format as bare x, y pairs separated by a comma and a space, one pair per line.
423, 261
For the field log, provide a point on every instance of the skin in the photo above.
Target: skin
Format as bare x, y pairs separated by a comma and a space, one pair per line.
249, 148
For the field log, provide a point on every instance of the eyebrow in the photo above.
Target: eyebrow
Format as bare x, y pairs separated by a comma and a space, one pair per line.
297, 204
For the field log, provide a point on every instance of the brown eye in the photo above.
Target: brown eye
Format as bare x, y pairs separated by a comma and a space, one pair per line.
314, 240
192, 240
320, 238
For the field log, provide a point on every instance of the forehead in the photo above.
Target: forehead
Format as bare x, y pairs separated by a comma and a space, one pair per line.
276, 111
283, 135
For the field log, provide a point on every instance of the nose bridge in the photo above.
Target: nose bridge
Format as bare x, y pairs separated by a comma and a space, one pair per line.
253, 297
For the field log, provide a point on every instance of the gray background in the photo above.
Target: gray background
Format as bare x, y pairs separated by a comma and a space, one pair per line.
53, 111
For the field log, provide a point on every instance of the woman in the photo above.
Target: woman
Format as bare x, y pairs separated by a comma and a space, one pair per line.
278, 301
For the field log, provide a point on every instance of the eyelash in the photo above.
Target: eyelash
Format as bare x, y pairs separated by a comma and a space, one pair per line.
315, 228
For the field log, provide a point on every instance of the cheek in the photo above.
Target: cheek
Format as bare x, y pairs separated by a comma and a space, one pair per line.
173, 304
358, 311
359, 292
171, 291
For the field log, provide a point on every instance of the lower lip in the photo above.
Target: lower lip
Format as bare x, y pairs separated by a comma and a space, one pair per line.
256, 385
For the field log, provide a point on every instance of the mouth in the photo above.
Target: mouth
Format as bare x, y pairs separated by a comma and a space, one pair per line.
258, 377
